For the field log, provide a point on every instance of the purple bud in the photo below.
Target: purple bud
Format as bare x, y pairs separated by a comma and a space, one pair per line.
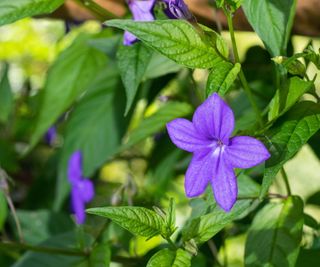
51, 135
177, 9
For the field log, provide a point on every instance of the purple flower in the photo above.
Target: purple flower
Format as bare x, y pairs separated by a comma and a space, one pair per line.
82, 190
177, 9
142, 10
51, 135
215, 154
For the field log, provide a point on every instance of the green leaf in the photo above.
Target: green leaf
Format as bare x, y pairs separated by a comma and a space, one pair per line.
310, 221
11, 11
100, 255
275, 235
171, 217
6, 96
285, 98
176, 39
157, 121
222, 77
287, 136
272, 20
88, 129
202, 228
3, 209
137, 220
160, 65
247, 187
169, 258
308, 258
132, 63
67, 79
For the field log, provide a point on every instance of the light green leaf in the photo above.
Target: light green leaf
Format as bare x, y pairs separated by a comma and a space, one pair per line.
275, 235
287, 136
171, 217
160, 65
67, 79
176, 39
222, 77
132, 63
285, 98
137, 220
169, 258
272, 20
3, 209
88, 129
11, 11
100, 255
6, 96
247, 186
157, 122
202, 228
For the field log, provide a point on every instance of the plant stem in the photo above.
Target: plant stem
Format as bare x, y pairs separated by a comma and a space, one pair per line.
243, 80
102, 13
286, 180
173, 245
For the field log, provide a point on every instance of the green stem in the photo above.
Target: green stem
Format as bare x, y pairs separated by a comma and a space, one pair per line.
286, 180
172, 244
241, 74
102, 13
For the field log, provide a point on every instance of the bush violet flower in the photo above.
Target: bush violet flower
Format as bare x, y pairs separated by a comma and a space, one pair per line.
142, 10
177, 9
51, 135
82, 190
215, 154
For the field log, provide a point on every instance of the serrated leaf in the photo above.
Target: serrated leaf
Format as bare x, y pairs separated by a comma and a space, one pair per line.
176, 39
88, 128
132, 63
222, 77
100, 255
67, 79
275, 235
157, 121
169, 258
202, 228
137, 220
278, 15
287, 136
171, 217
6, 96
11, 11
285, 98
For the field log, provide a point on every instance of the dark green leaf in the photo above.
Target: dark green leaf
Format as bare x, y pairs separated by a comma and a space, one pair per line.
67, 79
285, 98
176, 39
272, 20
137, 220
203, 228
132, 62
222, 77
157, 122
247, 187
6, 96
288, 135
88, 129
3, 209
310, 221
100, 255
11, 11
275, 235
308, 258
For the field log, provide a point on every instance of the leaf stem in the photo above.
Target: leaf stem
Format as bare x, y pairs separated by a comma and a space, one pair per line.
98, 10
172, 244
243, 80
286, 180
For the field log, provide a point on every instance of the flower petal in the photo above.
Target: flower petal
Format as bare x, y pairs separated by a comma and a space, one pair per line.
142, 10
214, 119
199, 174
75, 167
246, 152
224, 184
86, 190
183, 134
129, 38
77, 206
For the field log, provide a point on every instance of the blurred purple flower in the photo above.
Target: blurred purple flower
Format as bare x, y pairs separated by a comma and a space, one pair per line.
215, 154
51, 135
177, 9
82, 190
142, 10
